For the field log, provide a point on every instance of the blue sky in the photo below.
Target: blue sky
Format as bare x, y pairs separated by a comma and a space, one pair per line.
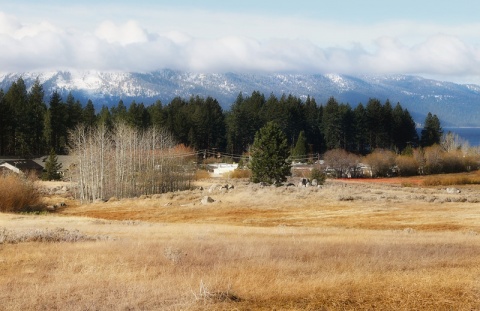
438, 39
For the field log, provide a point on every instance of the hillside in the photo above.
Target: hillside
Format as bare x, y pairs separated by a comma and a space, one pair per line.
455, 104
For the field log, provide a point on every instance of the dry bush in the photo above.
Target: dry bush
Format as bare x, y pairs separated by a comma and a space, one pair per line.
341, 161
434, 159
381, 162
239, 173
18, 194
201, 174
454, 162
407, 165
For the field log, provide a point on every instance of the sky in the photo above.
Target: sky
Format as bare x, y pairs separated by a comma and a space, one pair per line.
434, 39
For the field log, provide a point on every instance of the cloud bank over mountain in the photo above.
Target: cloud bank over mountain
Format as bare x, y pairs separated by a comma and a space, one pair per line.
394, 47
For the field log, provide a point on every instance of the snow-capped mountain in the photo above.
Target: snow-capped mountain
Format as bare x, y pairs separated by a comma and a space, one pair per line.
455, 104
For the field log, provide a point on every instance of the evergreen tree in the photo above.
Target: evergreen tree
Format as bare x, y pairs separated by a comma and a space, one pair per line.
88, 114
386, 139
312, 122
208, 124
375, 124
361, 131
52, 167
5, 123
404, 132
55, 124
347, 127
178, 120
331, 124
38, 110
157, 114
270, 153
299, 153
432, 131
17, 100
138, 116
409, 129
244, 120
74, 112
104, 118
119, 113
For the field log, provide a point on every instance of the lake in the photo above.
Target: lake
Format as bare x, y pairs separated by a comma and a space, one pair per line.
470, 134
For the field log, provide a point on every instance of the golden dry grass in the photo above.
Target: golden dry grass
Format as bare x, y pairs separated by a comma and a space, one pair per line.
472, 178
345, 246
201, 174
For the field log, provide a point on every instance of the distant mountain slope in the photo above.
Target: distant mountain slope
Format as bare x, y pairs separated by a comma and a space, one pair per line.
455, 104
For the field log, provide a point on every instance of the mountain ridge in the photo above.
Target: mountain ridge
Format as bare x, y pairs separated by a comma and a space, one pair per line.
455, 104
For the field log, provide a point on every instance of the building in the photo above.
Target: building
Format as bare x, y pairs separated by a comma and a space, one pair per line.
21, 166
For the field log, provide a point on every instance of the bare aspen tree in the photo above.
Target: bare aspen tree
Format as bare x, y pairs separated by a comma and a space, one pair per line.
126, 162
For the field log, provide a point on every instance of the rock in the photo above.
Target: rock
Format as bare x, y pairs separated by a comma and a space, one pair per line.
206, 200
453, 190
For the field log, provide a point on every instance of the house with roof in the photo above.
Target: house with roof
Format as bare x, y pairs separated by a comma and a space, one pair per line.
21, 166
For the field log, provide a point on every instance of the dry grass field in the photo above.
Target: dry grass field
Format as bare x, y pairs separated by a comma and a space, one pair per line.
348, 245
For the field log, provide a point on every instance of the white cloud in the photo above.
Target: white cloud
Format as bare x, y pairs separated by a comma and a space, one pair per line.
319, 47
125, 34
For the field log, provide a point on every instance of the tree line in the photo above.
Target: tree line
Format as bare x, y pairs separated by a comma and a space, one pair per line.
30, 127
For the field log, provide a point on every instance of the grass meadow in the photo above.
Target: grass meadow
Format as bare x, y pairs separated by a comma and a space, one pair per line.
344, 246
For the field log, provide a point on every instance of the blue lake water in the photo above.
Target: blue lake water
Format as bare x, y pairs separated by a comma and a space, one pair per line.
470, 134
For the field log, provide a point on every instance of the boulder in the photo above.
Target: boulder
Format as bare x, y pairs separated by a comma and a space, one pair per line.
207, 200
